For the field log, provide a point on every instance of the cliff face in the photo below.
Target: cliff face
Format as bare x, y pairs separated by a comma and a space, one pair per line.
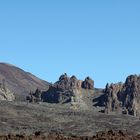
131, 95
124, 97
112, 92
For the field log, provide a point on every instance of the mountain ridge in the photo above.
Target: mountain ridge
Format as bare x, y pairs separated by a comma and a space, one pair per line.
19, 81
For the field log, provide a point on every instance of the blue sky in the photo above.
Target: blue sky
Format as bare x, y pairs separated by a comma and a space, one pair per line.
96, 38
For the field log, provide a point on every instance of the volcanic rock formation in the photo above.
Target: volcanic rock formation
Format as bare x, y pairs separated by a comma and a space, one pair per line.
111, 97
67, 89
124, 97
34, 97
88, 83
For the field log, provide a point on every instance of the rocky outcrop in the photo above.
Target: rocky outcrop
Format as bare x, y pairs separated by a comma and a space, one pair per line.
61, 91
130, 95
111, 97
88, 83
124, 97
5, 93
67, 89
34, 97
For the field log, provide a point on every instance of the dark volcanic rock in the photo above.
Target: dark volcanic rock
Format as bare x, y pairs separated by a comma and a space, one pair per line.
56, 95
88, 83
111, 97
34, 97
63, 82
65, 89
125, 97
60, 91
130, 95
73, 82
109, 135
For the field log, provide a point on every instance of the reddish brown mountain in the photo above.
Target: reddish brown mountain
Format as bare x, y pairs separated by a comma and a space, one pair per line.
19, 81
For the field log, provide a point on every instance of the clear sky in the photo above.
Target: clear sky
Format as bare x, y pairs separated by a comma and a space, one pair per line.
96, 38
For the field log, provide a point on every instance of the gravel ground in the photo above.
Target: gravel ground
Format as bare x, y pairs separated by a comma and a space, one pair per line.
23, 118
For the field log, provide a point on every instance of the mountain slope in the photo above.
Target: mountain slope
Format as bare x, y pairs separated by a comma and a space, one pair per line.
19, 81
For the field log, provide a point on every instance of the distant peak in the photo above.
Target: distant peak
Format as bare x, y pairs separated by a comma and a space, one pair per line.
8, 64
